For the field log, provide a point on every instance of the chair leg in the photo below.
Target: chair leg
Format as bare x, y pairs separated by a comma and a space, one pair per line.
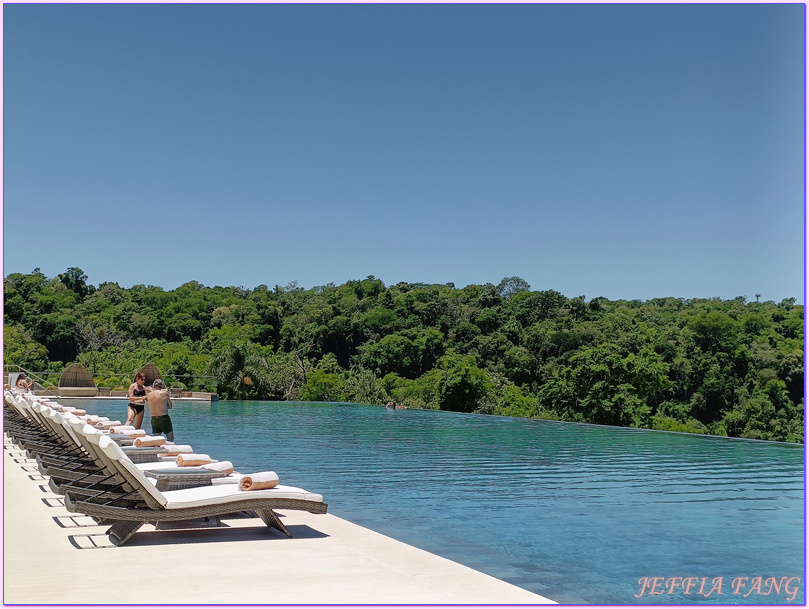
271, 519
122, 530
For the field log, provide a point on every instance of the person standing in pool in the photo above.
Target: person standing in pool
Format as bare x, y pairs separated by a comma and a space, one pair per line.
137, 401
159, 404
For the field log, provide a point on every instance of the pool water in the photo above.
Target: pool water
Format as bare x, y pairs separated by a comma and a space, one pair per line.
577, 513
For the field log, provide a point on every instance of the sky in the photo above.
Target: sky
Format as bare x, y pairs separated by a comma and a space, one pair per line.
624, 151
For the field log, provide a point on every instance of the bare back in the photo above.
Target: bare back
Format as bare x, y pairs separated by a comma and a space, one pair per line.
158, 400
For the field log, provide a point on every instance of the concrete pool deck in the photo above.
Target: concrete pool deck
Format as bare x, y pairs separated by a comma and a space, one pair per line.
54, 557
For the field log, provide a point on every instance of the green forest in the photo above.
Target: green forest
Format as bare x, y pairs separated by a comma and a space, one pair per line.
723, 367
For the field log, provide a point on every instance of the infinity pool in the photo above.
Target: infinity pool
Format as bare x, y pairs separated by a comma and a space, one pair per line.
577, 513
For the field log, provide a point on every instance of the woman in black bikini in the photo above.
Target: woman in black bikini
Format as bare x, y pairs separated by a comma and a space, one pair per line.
137, 400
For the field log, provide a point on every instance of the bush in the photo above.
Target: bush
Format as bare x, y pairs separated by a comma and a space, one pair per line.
322, 387
664, 423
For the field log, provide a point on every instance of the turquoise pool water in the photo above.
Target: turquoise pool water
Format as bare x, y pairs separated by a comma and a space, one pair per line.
577, 513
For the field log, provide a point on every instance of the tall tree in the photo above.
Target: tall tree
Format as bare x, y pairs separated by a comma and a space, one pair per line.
509, 286
75, 280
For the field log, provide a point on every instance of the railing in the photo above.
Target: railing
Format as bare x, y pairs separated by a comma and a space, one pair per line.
49, 380
188, 382
111, 384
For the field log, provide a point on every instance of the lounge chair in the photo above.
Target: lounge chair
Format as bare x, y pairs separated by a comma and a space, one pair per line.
34, 432
12, 379
147, 504
20, 425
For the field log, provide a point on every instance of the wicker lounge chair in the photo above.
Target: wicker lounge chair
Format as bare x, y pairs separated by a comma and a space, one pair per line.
21, 426
147, 504
36, 435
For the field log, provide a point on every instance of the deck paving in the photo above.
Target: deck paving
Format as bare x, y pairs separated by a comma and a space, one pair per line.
54, 557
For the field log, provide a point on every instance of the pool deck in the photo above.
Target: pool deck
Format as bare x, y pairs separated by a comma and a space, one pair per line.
328, 561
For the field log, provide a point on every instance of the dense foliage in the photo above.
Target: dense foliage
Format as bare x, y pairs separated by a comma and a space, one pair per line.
726, 367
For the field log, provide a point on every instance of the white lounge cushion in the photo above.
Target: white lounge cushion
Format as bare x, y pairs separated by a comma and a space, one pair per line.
231, 479
60, 420
226, 493
117, 456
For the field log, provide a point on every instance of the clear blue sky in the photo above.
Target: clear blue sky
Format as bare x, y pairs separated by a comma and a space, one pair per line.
626, 151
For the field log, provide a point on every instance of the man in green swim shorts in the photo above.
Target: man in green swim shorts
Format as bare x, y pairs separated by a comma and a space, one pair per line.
159, 404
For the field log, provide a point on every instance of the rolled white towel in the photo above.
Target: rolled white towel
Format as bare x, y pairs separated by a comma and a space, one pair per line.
261, 480
219, 466
150, 441
177, 449
192, 459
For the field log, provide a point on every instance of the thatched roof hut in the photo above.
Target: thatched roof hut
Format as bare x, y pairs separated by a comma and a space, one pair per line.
76, 382
151, 372
76, 375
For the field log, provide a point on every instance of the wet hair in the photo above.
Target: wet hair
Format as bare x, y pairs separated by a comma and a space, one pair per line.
159, 384
140, 375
